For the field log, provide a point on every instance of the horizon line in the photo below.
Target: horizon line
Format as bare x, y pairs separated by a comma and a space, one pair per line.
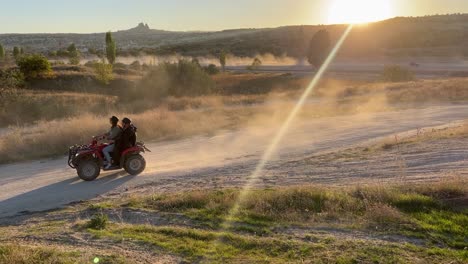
231, 29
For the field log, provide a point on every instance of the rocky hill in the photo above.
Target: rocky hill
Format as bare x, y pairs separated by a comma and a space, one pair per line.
441, 35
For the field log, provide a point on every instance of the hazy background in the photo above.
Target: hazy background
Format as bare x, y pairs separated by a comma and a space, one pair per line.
26, 16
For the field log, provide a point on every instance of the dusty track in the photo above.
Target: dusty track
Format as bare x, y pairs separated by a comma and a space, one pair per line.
226, 159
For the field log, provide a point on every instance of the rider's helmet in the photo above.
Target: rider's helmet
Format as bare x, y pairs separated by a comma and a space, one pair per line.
126, 120
114, 119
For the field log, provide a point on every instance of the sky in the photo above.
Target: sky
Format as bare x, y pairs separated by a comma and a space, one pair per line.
85, 16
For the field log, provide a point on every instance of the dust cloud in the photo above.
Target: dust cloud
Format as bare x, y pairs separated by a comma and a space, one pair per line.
232, 60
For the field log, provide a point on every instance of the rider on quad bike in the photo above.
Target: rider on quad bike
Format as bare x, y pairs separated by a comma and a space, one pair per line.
111, 136
126, 140
89, 159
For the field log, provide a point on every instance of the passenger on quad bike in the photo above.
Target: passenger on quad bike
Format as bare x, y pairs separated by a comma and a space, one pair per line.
89, 159
113, 134
126, 140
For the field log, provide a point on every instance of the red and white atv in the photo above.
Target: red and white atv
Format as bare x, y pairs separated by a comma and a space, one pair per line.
88, 160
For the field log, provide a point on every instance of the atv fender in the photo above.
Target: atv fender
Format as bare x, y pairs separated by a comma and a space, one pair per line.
132, 150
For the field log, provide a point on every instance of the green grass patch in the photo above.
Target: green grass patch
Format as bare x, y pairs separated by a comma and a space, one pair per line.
46, 227
443, 227
196, 245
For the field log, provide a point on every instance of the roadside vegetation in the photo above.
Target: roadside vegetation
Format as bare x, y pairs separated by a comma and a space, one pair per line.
178, 100
456, 132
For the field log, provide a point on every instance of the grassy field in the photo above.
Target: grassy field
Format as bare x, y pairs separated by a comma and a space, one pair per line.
307, 224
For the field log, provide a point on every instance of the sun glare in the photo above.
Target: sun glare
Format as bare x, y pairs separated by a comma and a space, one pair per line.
358, 11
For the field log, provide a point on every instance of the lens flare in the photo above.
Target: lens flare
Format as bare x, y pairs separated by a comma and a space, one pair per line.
283, 130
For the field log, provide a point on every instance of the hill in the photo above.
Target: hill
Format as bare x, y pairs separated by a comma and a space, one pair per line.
440, 35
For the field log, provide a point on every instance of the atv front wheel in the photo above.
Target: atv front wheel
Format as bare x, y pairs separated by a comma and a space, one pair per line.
135, 164
88, 170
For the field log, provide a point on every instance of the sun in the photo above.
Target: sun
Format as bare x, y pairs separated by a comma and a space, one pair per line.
359, 11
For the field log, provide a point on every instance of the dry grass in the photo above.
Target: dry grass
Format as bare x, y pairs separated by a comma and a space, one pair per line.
374, 203
26, 106
15, 254
422, 135
199, 116
421, 91
49, 138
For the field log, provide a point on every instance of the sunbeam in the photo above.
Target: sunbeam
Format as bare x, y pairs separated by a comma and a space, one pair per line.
283, 130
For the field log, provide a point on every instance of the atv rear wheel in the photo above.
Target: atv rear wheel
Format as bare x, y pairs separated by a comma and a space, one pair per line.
135, 164
88, 170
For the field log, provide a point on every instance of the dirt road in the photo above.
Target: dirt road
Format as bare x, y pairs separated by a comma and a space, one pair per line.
227, 158
372, 70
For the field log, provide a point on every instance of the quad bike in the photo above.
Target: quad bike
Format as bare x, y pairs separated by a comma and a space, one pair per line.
88, 160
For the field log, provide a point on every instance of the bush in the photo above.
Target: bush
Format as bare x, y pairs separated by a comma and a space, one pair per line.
395, 73
11, 78
34, 66
119, 65
175, 79
98, 222
135, 65
211, 69
91, 63
73, 55
103, 72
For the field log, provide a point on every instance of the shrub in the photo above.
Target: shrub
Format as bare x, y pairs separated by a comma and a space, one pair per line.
91, 63
176, 79
119, 65
34, 66
73, 55
11, 78
135, 65
103, 72
98, 222
395, 73
255, 65
211, 69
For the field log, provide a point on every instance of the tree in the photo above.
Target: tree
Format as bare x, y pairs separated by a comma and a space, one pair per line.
92, 51
196, 61
34, 66
256, 63
222, 60
319, 47
73, 54
16, 53
2, 52
111, 48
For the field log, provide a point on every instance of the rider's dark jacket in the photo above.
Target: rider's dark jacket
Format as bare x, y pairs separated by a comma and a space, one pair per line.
127, 139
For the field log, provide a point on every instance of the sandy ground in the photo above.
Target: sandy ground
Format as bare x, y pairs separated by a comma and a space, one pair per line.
308, 154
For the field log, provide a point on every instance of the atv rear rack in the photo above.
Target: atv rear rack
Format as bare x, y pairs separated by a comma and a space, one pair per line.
72, 151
